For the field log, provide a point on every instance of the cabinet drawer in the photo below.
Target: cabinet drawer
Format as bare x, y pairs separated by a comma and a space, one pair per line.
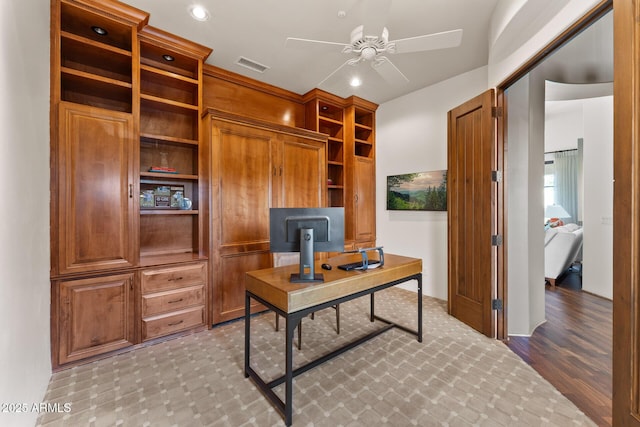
172, 278
172, 300
169, 323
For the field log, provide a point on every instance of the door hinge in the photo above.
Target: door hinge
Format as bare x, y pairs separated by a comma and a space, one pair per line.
496, 176
496, 304
496, 112
496, 239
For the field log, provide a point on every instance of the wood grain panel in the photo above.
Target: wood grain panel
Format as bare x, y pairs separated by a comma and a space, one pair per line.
231, 92
170, 323
230, 298
303, 173
167, 278
95, 221
626, 214
244, 172
95, 316
172, 300
471, 159
364, 177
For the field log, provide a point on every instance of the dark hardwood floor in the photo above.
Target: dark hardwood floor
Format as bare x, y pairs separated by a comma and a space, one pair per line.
572, 350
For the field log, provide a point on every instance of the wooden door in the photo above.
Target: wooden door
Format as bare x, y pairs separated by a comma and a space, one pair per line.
471, 195
241, 184
96, 316
364, 180
626, 215
301, 173
95, 220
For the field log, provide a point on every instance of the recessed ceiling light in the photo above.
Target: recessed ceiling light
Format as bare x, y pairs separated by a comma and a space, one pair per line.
355, 82
99, 30
168, 57
199, 12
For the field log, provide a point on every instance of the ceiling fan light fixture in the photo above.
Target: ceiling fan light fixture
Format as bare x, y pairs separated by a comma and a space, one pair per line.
199, 13
368, 53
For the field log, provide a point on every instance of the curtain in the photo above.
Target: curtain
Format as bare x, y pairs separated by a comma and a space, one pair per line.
566, 182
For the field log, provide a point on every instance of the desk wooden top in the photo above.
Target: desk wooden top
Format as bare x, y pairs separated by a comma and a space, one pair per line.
273, 285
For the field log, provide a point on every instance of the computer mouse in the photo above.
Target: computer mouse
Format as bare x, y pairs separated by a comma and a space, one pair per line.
326, 266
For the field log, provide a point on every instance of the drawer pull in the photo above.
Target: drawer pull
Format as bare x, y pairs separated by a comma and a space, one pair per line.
175, 279
175, 301
175, 323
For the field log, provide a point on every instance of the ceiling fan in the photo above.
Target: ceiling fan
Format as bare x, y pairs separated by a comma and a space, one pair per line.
372, 48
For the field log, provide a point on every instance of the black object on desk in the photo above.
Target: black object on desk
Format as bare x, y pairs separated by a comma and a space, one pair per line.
358, 265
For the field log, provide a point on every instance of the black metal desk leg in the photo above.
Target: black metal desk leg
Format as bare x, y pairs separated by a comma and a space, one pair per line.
419, 307
247, 332
292, 323
372, 311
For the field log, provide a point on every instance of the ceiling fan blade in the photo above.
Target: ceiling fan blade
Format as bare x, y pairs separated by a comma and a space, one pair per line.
433, 41
348, 62
388, 71
294, 42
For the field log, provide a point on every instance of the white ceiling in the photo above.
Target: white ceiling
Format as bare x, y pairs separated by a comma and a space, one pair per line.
257, 30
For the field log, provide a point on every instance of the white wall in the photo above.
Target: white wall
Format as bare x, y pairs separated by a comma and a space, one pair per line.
25, 366
411, 136
597, 261
592, 120
525, 171
504, 61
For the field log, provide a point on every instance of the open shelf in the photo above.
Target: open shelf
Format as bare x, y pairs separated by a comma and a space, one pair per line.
83, 88
82, 54
163, 117
80, 21
153, 55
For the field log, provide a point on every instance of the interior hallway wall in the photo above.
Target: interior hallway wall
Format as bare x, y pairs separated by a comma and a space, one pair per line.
525, 172
411, 136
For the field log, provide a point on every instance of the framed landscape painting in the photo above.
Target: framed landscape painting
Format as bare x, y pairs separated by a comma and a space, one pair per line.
423, 191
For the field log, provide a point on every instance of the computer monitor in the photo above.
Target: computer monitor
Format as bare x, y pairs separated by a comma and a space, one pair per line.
306, 230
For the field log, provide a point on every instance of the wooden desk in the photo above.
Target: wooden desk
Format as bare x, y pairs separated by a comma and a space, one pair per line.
294, 301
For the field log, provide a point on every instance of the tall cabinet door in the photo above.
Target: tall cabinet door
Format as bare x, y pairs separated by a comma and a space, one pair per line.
364, 200
303, 173
241, 181
95, 190
254, 166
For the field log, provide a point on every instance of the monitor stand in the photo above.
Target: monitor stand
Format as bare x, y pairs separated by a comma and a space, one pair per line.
307, 260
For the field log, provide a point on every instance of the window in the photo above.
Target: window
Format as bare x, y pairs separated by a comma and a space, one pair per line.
549, 183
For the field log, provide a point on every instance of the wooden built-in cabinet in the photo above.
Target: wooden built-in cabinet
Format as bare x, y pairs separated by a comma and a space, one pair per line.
326, 115
350, 127
126, 97
130, 137
360, 206
173, 299
95, 316
170, 107
254, 166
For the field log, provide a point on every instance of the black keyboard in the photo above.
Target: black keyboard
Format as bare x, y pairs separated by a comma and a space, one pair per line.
356, 265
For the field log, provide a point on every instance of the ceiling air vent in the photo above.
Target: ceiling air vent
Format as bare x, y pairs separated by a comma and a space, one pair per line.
252, 65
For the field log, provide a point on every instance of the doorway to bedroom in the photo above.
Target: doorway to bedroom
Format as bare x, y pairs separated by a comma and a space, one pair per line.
560, 127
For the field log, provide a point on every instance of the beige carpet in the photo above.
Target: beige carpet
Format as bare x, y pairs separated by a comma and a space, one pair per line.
455, 377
